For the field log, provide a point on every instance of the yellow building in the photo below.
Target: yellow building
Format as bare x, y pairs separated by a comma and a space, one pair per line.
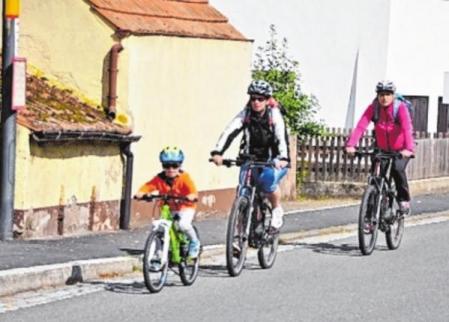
172, 71
69, 165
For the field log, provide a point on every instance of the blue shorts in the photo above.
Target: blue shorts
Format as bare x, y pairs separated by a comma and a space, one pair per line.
267, 178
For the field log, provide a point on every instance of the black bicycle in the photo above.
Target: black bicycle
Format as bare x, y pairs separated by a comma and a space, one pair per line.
249, 222
379, 208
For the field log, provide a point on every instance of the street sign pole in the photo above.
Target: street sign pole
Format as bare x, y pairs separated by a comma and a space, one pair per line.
8, 119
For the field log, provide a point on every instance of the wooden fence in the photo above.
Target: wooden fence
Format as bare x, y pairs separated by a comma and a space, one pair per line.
323, 158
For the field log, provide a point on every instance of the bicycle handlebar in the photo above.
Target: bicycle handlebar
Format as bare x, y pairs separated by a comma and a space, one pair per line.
165, 198
380, 154
246, 158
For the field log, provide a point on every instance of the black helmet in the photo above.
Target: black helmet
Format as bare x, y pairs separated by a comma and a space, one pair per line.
385, 86
260, 87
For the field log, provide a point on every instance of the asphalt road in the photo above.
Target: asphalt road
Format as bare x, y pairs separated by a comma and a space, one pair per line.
311, 281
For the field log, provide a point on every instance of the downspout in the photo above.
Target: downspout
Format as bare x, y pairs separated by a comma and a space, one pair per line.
125, 209
113, 70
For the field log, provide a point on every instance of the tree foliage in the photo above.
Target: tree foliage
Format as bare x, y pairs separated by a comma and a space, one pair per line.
274, 65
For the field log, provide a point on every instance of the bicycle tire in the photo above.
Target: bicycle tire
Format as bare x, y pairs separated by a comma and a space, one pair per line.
368, 223
236, 253
393, 235
189, 268
154, 279
267, 259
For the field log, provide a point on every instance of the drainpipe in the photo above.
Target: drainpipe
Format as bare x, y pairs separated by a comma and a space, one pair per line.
125, 209
113, 62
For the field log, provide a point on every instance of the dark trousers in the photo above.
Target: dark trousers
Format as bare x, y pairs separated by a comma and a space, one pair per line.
400, 178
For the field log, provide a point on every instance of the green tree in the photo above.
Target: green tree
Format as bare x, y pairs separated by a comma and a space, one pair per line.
274, 65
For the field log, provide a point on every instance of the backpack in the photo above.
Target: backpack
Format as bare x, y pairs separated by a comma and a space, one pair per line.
398, 99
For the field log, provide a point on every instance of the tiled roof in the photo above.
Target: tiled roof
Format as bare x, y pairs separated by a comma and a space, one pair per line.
185, 18
50, 109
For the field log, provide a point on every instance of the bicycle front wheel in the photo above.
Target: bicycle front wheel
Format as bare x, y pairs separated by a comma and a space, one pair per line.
368, 223
268, 250
236, 241
189, 267
154, 271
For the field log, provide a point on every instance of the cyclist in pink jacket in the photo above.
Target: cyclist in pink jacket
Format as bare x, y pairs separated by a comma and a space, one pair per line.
393, 133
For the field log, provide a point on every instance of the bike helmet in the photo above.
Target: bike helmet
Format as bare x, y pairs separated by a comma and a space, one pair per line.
260, 87
171, 155
385, 86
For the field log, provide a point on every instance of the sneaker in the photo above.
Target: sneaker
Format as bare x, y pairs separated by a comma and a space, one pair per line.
277, 218
194, 248
404, 207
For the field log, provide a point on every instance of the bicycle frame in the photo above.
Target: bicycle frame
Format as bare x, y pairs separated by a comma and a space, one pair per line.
166, 225
381, 178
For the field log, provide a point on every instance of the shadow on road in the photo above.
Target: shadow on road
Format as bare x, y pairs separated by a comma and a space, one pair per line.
213, 271
131, 288
331, 249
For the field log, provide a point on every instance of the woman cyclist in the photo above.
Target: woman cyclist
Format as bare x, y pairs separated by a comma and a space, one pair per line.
393, 133
265, 137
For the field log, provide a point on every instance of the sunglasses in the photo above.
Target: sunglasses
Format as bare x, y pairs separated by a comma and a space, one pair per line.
258, 98
170, 165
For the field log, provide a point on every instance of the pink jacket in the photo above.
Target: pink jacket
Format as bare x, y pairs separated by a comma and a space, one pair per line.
390, 135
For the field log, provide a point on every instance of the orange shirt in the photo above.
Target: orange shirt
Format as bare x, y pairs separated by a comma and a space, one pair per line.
181, 185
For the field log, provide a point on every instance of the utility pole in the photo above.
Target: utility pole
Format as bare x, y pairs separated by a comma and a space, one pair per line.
11, 10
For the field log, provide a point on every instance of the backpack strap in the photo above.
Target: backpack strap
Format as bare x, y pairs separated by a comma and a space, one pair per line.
396, 105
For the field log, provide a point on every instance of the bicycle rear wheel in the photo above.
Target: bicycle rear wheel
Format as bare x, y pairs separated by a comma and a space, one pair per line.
393, 235
368, 224
189, 267
236, 241
154, 272
268, 250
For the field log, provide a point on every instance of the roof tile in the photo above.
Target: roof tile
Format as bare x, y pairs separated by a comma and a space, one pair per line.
187, 18
50, 109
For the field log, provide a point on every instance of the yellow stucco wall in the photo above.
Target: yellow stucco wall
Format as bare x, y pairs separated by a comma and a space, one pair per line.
65, 39
65, 174
183, 91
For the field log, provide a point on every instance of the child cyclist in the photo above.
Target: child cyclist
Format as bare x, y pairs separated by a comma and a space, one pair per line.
176, 182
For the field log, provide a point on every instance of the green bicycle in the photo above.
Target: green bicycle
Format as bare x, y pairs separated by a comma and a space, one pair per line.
167, 247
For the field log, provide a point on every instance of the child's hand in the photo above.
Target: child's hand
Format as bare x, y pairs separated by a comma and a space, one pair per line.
192, 197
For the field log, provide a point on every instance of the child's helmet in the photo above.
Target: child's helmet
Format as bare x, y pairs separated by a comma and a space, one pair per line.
171, 155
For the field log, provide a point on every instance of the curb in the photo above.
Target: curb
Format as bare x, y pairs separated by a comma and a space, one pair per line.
33, 278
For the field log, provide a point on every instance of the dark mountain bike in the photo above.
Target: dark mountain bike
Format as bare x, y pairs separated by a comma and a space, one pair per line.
167, 247
379, 208
249, 222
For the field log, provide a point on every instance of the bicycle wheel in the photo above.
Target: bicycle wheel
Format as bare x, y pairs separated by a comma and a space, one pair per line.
154, 273
236, 241
189, 267
268, 250
393, 235
368, 225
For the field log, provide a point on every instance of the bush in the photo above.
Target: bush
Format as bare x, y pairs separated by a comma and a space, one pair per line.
273, 65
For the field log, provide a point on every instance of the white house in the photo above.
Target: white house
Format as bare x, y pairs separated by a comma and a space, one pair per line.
344, 47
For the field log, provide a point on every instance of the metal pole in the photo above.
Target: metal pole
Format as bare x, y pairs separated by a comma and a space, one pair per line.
8, 129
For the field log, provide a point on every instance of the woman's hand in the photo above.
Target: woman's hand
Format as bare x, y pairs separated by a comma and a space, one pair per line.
217, 159
350, 150
406, 153
280, 164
